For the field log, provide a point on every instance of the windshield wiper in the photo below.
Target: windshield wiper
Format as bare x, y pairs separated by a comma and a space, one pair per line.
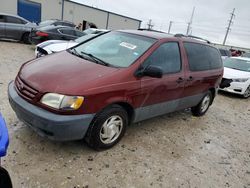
73, 51
96, 59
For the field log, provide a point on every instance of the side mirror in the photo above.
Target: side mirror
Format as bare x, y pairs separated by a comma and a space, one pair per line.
5, 179
151, 71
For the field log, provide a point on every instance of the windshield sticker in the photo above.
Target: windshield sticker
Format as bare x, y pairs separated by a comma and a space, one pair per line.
136, 54
128, 45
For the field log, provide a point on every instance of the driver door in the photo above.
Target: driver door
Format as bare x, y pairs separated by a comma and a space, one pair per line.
162, 95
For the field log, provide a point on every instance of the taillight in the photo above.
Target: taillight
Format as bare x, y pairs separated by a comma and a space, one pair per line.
42, 34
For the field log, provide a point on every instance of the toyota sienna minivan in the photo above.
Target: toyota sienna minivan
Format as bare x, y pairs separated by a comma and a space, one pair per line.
97, 88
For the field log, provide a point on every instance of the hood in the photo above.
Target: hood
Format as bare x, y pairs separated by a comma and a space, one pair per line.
49, 42
232, 73
57, 47
63, 73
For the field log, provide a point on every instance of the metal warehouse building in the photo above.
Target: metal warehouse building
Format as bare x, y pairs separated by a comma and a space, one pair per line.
39, 10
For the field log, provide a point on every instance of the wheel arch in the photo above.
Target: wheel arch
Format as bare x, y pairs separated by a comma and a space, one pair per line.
213, 91
125, 105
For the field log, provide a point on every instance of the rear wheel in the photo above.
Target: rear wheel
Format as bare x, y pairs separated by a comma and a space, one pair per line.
107, 128
203, 106
26, 38
247, 92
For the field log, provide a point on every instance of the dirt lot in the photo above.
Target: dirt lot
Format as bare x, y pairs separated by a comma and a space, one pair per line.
175, 150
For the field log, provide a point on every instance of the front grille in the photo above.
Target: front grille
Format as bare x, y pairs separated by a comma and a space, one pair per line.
25, 90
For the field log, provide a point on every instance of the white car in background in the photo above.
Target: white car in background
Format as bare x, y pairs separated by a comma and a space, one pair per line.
237, 70
53, 46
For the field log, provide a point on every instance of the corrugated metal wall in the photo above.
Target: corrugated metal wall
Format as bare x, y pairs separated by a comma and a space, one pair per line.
52, 9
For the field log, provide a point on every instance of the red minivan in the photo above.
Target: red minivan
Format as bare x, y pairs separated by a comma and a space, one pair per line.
97, 88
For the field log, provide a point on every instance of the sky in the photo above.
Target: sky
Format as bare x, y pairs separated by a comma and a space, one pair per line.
210, 19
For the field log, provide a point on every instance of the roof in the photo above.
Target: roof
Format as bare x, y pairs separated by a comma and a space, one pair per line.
150, 34
5, 14
44, 28
161, 35
103, 10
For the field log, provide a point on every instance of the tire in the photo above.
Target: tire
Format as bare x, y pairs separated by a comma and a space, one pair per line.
103, 133
247, 93
203, 106
25, 38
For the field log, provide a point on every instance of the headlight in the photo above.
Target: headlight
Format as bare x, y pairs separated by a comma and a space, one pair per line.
62, 102
240, 79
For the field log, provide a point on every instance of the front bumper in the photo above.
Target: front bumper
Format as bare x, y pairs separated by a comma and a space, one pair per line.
236, 87
48, 124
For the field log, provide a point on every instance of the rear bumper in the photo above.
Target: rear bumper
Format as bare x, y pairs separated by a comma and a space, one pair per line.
47, 124
37, 39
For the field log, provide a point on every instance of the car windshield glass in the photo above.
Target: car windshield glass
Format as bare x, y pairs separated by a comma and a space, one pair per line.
84, 38
237, 64
45, 23
116, 48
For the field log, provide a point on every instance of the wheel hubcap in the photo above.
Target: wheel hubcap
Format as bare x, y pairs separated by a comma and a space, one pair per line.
111, 129
205, 103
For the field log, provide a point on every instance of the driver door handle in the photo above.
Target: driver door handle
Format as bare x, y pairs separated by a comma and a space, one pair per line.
180, 79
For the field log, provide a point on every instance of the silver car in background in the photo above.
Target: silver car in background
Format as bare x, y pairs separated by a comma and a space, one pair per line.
15, 27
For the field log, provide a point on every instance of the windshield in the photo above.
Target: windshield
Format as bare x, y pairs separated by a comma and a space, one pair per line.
116, 48
84, 38
237, 64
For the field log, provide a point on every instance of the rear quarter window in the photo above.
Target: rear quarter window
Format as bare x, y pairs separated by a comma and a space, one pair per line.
202, 57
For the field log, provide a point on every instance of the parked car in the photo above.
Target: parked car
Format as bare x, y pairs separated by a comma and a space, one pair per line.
56, 22
15, 27
97, 88
247, 54
5, 180
52, 46
54, 33
225, 53
94, 31
237, 70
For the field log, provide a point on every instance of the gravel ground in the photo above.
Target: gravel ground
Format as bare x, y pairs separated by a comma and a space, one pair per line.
175, 150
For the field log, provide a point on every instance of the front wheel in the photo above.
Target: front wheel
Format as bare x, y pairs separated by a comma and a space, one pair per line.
26, 38
247, 92
203, 106
107, 128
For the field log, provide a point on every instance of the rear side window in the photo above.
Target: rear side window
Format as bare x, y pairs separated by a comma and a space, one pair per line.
167, 57
11, 19
202, 57
67, 31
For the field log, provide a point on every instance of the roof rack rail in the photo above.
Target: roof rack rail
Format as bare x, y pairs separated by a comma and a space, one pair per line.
144, 29
191, 36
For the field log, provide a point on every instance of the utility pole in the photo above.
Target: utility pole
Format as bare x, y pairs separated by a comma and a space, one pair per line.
62, 9
170, 25
229, 25
190, 22
150, 25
